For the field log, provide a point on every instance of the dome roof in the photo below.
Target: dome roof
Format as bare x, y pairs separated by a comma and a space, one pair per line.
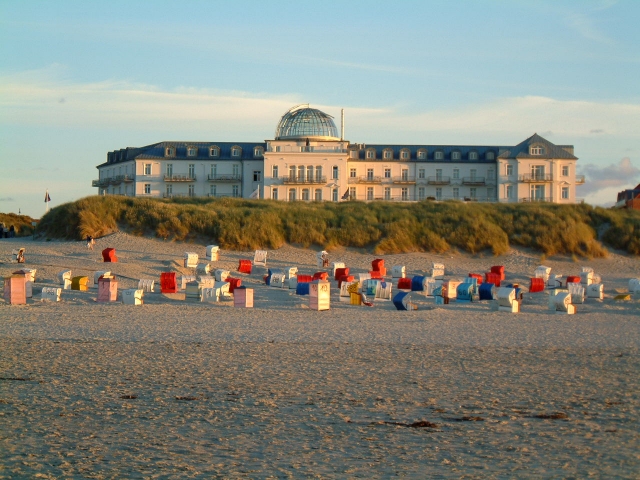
303, 122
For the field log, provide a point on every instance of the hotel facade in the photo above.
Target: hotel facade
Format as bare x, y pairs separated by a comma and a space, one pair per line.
308, 160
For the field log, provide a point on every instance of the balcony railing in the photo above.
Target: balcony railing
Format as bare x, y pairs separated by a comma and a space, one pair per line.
579, 179
473, 181
438, 180
535, 199
535, 177
234, 177
304, 181
118, 179
179, 178
175, 195
365, 179
404, 179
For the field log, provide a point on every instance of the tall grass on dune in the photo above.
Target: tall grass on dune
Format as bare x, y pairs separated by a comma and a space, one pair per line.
382, 227
21, 223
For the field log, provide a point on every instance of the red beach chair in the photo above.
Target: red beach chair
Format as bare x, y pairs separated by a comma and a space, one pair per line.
476, 276
345, 278
499, 269
404, 284
109, 255
168, 282
537, 285
233, 283
319, 276
491, 277
305, 278
245, 266
573, 279
341, 272
378, 266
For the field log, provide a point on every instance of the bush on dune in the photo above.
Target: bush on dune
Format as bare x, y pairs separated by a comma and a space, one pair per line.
383, 227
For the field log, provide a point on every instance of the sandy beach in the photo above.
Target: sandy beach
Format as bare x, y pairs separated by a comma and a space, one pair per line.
198, 390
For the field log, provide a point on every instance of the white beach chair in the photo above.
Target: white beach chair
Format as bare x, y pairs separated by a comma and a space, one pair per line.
260, 258
190, 260
132, 296
50, 294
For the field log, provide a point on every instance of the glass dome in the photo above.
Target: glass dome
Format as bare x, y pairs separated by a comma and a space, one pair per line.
303, 122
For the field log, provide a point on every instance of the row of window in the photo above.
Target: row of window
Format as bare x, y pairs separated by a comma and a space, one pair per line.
421, 154
537, 170
214, 151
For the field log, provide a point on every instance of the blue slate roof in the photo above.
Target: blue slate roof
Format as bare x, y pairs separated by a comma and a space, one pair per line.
550, 150
157, 151
431, 150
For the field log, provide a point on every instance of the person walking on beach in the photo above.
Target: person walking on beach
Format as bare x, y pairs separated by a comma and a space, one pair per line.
90, 242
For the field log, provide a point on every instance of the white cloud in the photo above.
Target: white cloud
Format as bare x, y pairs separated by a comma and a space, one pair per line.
38, 98
616, 176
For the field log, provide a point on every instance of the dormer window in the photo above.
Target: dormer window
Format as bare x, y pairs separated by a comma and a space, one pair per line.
258, 152
235, 152
371, 154
169, 152
404, 155
422, 154
387, 154
214, 152
536, 150
192, 151
473, 155
490, 156
439, 155
455, 155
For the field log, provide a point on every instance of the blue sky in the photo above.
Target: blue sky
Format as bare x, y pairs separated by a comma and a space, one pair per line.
80, 78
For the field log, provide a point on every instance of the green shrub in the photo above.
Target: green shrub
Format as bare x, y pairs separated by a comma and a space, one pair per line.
384, 227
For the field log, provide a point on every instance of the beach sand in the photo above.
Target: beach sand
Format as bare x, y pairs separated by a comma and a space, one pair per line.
175, 389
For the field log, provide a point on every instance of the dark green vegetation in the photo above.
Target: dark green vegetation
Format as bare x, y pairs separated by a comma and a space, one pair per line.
22, 223
383, 227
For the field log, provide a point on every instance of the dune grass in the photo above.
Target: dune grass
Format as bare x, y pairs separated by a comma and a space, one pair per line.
21, 223
382, 227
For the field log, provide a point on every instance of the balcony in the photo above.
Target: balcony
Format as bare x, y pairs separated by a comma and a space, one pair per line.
579, 179
366, 179
404, 179
232, 178
174, 195
535, 178
304, 181
473, 181
535, 200
179, 178
118, 179
438, 180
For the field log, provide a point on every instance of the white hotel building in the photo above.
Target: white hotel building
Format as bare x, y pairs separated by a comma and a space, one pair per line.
308, 160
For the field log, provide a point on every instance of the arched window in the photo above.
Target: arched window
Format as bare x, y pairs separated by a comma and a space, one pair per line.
439, 155
371, 153
387, 154
235, 151
258, 152
319, 173
292, 172
490, 156
422, 154
310, 174
318, 195
473, 155
301, 173
169, 152
214, 152
192, 151
455, 155
305, 194
292, 194
404, 154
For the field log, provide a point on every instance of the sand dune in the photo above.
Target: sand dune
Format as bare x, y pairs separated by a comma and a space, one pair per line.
175, 389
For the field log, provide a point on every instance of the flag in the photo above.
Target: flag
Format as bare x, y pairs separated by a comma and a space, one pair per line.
47, 198
256, 193
346, 195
